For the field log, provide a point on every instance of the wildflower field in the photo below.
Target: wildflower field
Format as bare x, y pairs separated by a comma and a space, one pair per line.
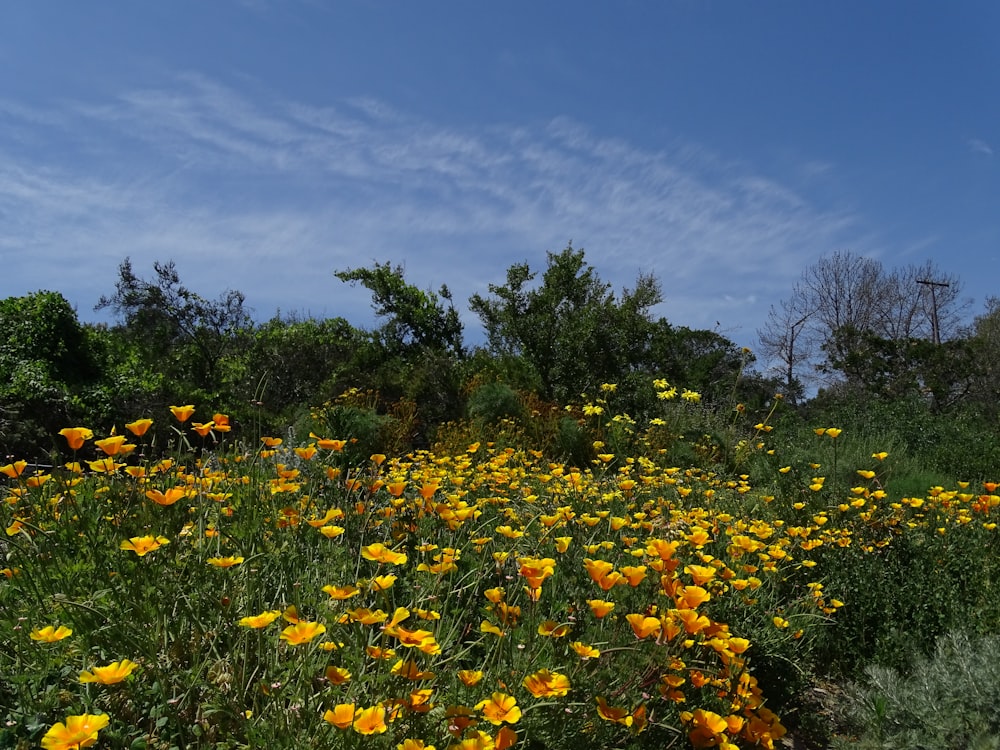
230, 590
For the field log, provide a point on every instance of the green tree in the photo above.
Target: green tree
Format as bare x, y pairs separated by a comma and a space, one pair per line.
413, 318
571, 328
416, 352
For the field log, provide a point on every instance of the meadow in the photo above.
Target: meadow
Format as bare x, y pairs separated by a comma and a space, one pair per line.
226, 589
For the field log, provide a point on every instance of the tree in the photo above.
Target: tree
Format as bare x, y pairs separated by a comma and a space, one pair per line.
570, 328
785, 339
416, 351
414, 318
846, 300
165, 316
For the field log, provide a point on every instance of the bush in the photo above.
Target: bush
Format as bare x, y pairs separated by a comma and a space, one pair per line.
950, 700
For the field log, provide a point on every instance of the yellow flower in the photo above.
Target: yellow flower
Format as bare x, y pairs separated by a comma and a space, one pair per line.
50, 634
182, 413
585, 651
880, 456
111, 674
833, 432
224, 562
409, 744
370, 720
500, 708
104, 465
866, 473
337, 675
378, 552
76, 436
341, 592
262, 620
302, 632
470, 677
546, 684
143, 545
381, 583
78, 732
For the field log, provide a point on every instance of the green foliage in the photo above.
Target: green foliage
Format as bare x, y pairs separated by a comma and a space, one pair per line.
492, 402
45, 364
301, 362
949, 700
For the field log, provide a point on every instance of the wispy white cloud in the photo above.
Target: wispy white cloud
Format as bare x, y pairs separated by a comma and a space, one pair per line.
270, 196
979, 147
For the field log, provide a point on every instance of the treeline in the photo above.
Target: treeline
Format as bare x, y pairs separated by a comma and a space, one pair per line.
551, 336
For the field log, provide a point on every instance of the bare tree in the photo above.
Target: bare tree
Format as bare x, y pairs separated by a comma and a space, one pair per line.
845, 298
785, 341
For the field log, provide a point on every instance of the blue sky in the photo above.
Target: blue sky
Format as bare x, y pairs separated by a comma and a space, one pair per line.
722, 146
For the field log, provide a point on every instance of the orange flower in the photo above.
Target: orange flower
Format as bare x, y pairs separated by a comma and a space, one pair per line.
643, 626
78, 732
327, 444
76, 436
104, 465
546, 684
408, 669
139, 427
14, 470
111, 446
342, 715
585, 651
221, 422
370, 720
202, 428
617, 714
341, 592
171, 496
182, 413
337, 675
600, 608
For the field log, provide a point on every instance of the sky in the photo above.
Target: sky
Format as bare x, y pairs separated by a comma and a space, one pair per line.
724, 147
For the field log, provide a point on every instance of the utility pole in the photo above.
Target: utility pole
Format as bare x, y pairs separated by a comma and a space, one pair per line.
935, 330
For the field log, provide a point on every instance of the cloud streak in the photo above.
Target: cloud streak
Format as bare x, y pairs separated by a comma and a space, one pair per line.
270, 196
